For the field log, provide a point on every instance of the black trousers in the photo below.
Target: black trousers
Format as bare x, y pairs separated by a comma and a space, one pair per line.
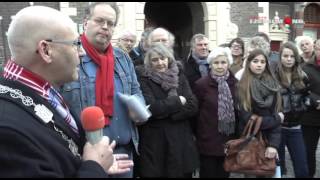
311, 136
212, 167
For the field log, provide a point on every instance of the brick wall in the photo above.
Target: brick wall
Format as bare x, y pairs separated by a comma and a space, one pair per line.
8, 9
240, 14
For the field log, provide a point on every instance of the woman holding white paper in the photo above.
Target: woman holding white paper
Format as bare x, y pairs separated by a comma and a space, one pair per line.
166, 144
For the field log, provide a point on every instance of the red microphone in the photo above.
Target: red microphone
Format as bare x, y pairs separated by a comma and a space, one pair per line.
92, 119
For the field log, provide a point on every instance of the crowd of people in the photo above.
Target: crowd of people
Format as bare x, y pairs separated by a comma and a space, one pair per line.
197, 103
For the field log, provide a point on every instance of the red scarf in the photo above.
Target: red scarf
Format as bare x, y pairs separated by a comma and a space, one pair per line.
318, 62
104, 77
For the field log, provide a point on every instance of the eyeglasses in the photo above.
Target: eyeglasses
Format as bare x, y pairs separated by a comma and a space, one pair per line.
128, 40
161, 40
102, 22
236, 46
76, 42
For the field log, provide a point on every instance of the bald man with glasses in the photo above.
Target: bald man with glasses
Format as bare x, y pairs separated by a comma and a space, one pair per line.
39, 134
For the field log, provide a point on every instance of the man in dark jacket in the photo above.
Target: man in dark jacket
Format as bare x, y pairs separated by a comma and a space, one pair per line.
39, 135
310, 120
196, 65
137, 53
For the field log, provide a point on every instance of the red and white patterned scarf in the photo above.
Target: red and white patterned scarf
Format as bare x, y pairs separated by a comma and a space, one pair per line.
15, 72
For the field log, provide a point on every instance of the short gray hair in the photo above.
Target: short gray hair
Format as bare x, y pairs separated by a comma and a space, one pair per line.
220, 51
170, 36
196, 37
299, 39
259, 42
126, 33
144, 38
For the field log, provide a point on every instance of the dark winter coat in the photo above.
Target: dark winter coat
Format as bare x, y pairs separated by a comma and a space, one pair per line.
167, 147
191, 70
312, 116
293, 105
270, 126
293, 100
137, 55
31, 148
210, 142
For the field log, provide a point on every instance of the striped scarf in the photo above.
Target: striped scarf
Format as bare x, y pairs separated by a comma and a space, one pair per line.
226, 116
15, 72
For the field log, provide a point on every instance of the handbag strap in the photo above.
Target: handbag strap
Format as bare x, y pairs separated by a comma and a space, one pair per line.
257, 126
248, 126
254, 121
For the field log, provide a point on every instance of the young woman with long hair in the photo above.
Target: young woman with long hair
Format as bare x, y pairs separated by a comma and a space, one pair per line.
293, 92
258, 93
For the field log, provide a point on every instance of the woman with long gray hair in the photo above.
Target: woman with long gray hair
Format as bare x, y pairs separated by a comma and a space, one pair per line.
166, 143
258, 93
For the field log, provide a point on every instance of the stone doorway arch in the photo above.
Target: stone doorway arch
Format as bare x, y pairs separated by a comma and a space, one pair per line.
183, 19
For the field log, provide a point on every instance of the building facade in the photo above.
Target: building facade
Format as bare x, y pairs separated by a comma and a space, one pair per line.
220, 21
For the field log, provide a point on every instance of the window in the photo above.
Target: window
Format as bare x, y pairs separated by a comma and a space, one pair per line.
312, 14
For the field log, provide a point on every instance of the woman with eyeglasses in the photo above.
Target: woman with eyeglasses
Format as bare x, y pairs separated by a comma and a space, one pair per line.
237, 50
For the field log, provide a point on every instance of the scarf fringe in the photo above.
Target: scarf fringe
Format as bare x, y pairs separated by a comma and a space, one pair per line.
226, 127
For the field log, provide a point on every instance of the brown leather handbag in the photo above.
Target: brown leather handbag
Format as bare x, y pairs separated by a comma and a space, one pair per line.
247, 154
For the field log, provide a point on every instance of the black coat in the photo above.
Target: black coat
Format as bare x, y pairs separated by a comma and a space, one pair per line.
293, 100
270, 126
191, 70
312, 116
31, 148
192, 73
293, 105
166, 144
137, 55
210, 142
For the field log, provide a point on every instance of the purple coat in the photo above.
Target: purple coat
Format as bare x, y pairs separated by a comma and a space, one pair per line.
209, 140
